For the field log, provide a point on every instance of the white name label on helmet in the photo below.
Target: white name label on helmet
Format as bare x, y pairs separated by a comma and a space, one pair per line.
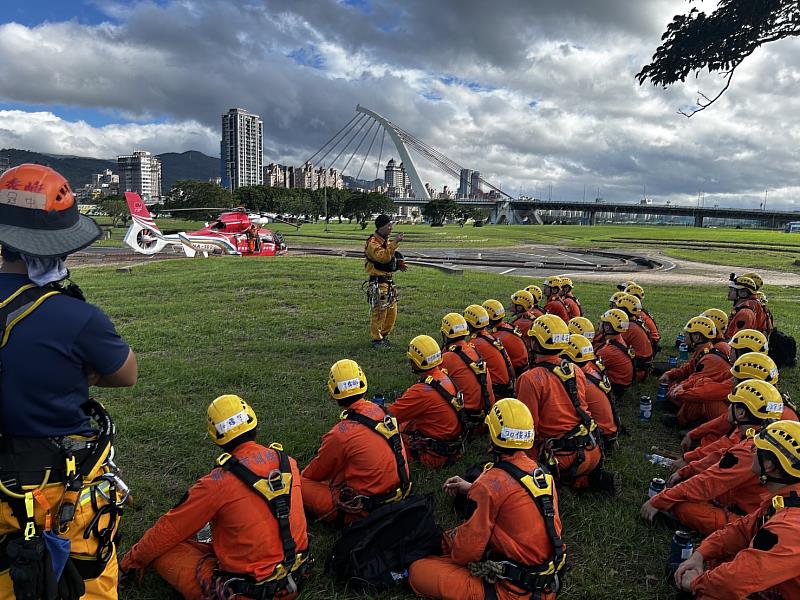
23, 198
459, 327
482, 320
589, 335
625, 324
231, 422
560, 338
520, 435
773, 372
775, 407
433, 357
349, 384
587, 350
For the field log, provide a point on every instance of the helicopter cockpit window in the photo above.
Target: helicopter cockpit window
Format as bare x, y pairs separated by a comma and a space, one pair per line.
266, 239
219, 225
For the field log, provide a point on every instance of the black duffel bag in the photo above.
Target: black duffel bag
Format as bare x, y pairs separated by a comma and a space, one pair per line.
782, 349
376, 551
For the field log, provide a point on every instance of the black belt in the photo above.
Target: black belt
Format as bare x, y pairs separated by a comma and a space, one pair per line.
381, 278
245, 585
572, 443
23, 461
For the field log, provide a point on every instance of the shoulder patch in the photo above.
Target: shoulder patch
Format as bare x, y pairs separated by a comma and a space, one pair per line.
728, 461
765, 540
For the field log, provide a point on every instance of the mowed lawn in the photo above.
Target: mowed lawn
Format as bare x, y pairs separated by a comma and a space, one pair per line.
269, 329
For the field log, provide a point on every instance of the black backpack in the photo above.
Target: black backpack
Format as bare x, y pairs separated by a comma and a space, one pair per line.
782, 349
375, 552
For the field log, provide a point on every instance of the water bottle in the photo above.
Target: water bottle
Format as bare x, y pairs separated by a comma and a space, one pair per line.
679, 339
379, 400
680, 549
645, 408
683, 352
662, 392
672, 361
661, 461
657, 485
399, 577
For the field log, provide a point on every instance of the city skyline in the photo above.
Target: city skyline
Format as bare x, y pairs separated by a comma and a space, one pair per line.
543, 98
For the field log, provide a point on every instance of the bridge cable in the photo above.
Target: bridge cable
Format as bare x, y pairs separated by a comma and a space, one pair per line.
350, 141
339, 141
366, 134
380, 155
330, 140
366, 155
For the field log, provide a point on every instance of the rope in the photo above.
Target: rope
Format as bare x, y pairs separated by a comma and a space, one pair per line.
487, 570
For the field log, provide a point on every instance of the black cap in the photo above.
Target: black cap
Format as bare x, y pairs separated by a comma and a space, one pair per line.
382, 220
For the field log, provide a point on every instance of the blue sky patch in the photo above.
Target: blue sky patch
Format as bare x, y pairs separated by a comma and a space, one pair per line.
94, 117
308, 56
472, 85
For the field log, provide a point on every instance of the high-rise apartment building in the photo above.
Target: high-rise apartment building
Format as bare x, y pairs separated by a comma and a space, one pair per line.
241, 149
475, 190
394, 177
140, 172
464, 183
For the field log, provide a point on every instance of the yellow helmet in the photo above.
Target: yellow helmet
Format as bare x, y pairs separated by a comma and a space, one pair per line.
742, 283
782, 440
454, 326
762, 399
346, 379
762, 297
702, 325
719, 317
424, 352
624, 284
614, 297
617, 318
629, 303
750, 339
495, 309
550, 331
635, 289
476, 316
566, 281
554, 282
756, 279
229, 417
755, 365
523, 298
510, 424
579, 349
582, 326
536, 292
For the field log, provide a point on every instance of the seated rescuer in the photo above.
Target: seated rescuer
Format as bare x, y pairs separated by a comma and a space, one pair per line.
617, 357
466, 369
720, 322
637, 336
252, 500
747, 313
649, 322
524, 311
729, 489
568, 298
599, 397
431, 412
509, 336
759, 552
513, 537
555, 304
555, 392
50, 354
361, 463
536, 292
581, 326
382, 261
491, 349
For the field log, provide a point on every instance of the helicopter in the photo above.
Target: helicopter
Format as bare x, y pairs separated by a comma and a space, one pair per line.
233, 232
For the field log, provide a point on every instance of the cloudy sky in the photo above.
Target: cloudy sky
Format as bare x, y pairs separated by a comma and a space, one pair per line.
538, 95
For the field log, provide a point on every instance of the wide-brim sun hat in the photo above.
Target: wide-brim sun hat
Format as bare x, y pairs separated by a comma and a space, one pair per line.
39, 215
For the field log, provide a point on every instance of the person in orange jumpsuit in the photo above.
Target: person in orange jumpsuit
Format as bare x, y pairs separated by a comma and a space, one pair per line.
523, 312
382, 260
723, 492
555, 393
466, 369
710, 365
748, 340
515, 526
509, 336
568, 298
536, 292
759, 552
769, 319
361, 463
491, 349
747, 311
431, 412
616, 356
720, 322
258, 543
647, 319
581, 326
555, 304
637, 336
599, 398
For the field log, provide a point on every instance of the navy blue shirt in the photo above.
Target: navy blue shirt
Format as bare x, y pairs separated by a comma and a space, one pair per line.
43, 381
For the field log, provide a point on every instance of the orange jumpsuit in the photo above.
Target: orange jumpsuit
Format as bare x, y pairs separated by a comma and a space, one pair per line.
685, 369
498, 363
598, 401
751, 555
350, 456
554, 416
506, 522
246, 538
555, 306
718, 495
649, 322
638, 339
512, 340
710, 431
382, 318
523, 322
618, 364
573, 306
702, 396
465, 378
746, 314
422, 413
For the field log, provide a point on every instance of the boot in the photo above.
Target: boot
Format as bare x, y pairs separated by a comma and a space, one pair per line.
608, 482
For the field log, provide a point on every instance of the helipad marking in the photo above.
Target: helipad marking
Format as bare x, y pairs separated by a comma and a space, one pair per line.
574, 258
508, 271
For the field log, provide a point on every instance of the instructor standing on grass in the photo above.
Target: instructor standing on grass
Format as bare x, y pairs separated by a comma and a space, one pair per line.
382, 260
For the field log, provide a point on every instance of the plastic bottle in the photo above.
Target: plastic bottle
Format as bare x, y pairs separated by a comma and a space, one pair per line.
399, 577
379, 400
656, 485
680, 549
645, 408
683, 352
662, 392
672, 361
659, 460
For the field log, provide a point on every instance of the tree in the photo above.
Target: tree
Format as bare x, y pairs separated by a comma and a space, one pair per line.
439, 210
186, 193
718, 42
116, 208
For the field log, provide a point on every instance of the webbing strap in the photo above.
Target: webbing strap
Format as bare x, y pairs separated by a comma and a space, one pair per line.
456, 403
479, 369
627, 350
512, 377
539, 486
388, 267
605, 386
565, 373
715, 352
19, 305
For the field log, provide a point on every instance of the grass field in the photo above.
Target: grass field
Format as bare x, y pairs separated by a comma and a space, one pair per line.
270, 329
